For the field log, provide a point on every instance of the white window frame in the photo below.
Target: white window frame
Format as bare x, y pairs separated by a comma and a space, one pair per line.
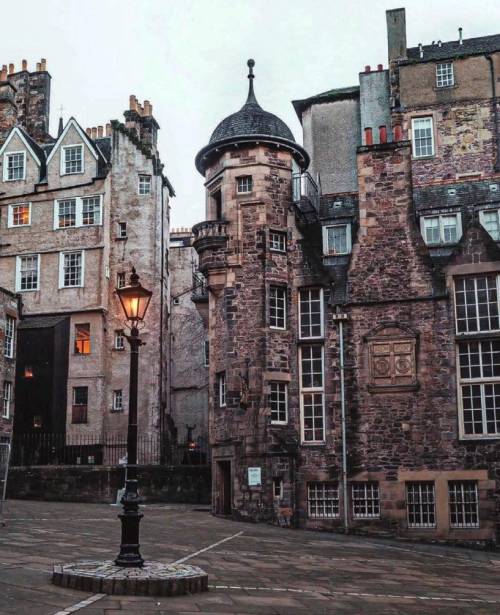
283, 298
63, 159
462, 504
335, 500
481, 219
221, 389
246, 178
477, 331
312, 390
18, 273
322, 314
9, 340
275, 246
440, 217
443, 72
6, 398
414, 121
121, 275
141, 175
6, 166
278, 384
119, 334
118, 396
61, 269
78, 212
10, 215
348, 239
122, 230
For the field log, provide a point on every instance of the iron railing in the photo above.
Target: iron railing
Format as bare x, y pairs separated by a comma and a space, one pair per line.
304, 187
55, 449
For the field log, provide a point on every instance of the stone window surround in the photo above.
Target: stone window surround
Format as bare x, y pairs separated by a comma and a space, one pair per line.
10, 215
244, 181
6, 165
282, 235
421, 116
440, 216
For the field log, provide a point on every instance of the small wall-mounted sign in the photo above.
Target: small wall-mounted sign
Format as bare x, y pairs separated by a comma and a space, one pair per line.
254, 477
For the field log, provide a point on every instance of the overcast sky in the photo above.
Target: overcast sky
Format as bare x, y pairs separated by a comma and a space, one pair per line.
188, 57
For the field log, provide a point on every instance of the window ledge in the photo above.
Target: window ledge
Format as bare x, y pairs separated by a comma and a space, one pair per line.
477, 439
443, 88
118, 349
121, 238
431, 157
394, 388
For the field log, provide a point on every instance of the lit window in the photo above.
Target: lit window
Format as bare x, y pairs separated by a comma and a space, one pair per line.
476, 303
277, 307
27, 272
19, 215
72, 159
312, 396
490, 220
421, 504
365, 500
7, 397
423, 137
37, 422
206, 349
444, 75
71, 269
9, 337
311, 313
144, 184
91, 210
443, 229
323, 500
244, 184
66, 213
463, 501
337, 239
14, 166
122, 230
28, 371
277, 241
479, 387
121, 279
80, 404
118, 401
221, 386
82, 339
278, 402
278, 488
119, 339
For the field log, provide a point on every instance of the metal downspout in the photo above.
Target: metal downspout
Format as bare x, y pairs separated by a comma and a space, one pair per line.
495, 113
344, 438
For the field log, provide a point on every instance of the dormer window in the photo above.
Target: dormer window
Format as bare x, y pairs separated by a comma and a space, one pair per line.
337, 239
444, 75
441, 230
14, 166
244, 184
72, 159
490, 220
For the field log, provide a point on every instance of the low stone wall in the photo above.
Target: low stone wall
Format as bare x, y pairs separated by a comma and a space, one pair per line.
172, 484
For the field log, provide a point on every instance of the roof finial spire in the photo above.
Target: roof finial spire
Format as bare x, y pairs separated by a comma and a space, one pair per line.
251, 96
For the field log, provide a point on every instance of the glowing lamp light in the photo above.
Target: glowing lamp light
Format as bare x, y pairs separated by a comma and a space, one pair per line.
134, 299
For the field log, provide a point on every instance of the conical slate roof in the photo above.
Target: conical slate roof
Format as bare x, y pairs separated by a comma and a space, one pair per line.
251, 120
250, 124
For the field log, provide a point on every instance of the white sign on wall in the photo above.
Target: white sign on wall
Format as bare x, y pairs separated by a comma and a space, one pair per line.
254, 477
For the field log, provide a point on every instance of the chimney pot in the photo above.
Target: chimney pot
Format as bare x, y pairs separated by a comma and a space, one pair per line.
368, 136
88, 131
3, 74
38, 67
108, 130
147, 107
382, 131
421, 51
460, 39
100, 131
11, 69
44, 64
367, 68
94, 132
24, 64
380, 67
398, 132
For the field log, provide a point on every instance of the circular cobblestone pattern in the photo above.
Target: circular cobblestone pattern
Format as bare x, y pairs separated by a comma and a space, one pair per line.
153, 579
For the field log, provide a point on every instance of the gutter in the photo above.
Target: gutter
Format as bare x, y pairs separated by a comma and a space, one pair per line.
495, 112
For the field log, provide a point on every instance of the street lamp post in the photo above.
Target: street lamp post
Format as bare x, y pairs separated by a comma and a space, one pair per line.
134, 299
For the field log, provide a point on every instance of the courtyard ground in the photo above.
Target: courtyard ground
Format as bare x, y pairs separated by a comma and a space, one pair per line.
252, 568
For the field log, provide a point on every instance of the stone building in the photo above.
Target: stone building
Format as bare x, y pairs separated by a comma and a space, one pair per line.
354, 377
189, 350
78, 211
9, 315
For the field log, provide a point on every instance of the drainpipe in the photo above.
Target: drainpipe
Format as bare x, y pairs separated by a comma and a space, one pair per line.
341, 318
495, 113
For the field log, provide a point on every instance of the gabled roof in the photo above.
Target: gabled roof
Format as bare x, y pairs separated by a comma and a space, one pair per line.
83, 135
31, 146
325, 97
453, 49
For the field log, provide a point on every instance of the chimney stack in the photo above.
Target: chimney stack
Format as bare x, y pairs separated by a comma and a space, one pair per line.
368, 136
11, 69
43, 64
100, 132
94, 132
38, 67
398, 132
460, 39
420, 50
368, 68
108, 130
380, 67
382, 131
396, 34
89, 132
24, 65
3, 73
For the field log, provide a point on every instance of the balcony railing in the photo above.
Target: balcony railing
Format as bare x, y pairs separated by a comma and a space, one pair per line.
210, 234
304, 188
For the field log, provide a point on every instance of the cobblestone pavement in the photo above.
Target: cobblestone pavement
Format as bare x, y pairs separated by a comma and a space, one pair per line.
252, 568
